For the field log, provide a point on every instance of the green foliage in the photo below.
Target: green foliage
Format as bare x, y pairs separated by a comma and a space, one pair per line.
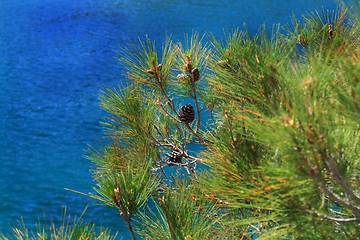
126, 190
276, 135
273, 151
70, 229
178, 216
289, 109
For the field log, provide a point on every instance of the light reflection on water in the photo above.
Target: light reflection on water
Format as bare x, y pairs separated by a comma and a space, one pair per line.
55, 56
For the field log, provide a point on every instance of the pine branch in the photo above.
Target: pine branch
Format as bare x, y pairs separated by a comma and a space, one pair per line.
124, 213
324, 216
197, 106
336, 198
336, 176
167, 113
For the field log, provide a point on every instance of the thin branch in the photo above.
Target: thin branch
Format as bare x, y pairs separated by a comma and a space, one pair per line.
183, 139
315, 173
124, 213
338, 213
169, 100
193, 85
167, 113
194, 158
187, 170
193, 132
166, 145
162, 173
337, 219
336, 198
336, 176
163, 138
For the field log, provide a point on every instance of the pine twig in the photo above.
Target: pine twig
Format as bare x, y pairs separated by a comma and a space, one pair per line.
197, 106
124, 213
324, 216
336, 176
335, 197
167, 113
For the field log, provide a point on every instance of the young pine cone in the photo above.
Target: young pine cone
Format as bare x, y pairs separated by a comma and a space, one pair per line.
182, 77
175, 157
187, 113
330, 31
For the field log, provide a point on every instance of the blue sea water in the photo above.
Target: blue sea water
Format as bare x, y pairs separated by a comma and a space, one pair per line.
55, 56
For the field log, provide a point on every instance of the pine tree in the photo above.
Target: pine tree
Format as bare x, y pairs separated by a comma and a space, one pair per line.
252, 136
255, 136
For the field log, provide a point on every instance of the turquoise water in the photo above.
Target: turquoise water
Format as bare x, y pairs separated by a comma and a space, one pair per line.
55, 56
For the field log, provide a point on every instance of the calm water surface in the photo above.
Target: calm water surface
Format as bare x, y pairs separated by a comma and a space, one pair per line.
55, 56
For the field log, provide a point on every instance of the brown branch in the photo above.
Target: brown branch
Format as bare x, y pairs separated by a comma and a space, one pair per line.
167, 113
160, 167
336, 198
124, 213
169, 100
337, 219
315, 173
336, 176
197, 106
194, 133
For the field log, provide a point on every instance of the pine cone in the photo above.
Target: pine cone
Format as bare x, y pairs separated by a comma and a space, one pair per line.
175, 157
187, 113
195, 74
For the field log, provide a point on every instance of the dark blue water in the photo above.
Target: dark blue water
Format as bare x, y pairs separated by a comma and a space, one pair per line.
55, 56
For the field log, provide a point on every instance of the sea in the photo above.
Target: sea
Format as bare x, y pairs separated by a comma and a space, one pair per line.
56, 56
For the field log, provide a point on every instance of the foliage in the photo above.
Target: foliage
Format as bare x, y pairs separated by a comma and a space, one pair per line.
70, 229
273, 151
179, 216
